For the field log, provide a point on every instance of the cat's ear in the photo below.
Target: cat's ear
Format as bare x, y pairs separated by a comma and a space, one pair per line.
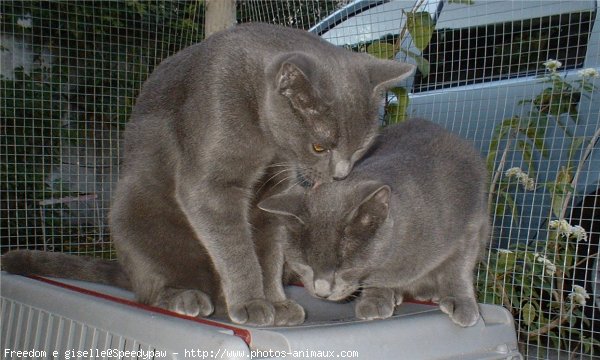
385, 74
289, 204
374, 207
293, 80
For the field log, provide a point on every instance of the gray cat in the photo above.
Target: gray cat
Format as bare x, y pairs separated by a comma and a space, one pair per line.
207, 125
410, 220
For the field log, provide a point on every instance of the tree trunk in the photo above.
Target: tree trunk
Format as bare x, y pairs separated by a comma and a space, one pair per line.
220, 15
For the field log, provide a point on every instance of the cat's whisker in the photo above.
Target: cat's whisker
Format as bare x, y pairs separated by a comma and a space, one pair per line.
289, 164
272, 177
297, 183
277, 174
284, 179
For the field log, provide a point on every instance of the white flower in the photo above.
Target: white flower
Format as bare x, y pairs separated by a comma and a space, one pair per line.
562, 226
25, 22
588, 73
549, 267
504, 251
527, 182
515, 171
579, 233
552, 65
578, 295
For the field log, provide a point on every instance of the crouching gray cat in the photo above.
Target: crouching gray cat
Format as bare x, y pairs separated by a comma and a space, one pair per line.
208, 123
410, 220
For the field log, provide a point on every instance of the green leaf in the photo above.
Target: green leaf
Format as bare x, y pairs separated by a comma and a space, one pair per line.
557, 100
507, 200
527, 151
138, 6
564, 176
572, 321
575, 145
381, 50
422, 63
420, 25
396, 113
505, 262
490, 297
500, 208
512, 204
500, 131
528, 312
557, 202
555, 339
491, 160
536, 132
511, 123
559, 190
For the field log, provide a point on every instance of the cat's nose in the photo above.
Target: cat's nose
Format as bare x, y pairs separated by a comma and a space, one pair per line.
322, 288
342, 169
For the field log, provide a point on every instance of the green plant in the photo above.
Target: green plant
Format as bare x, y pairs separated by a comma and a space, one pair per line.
420, 25
535, 281
100, 52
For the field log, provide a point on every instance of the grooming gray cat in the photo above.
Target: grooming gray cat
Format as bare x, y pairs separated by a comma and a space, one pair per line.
410, 220
207, 125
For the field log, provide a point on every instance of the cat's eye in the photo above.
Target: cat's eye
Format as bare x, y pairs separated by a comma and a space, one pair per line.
318, 148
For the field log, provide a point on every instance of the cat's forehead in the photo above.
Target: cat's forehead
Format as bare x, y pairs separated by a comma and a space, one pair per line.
361, 114
346, 110
329, 202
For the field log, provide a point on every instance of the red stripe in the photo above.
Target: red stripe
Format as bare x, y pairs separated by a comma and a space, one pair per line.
242, 333
413, 301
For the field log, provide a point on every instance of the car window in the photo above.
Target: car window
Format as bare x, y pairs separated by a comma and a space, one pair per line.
504, 50
366, 23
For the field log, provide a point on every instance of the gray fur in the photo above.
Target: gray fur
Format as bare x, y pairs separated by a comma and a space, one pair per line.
208, 124
27, 262
410, 220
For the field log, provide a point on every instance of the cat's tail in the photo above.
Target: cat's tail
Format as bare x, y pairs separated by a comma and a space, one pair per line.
33, 262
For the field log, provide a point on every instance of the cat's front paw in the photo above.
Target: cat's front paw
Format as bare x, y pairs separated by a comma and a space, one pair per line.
370, 308
464, 312
257, 312
288, 313
185, 301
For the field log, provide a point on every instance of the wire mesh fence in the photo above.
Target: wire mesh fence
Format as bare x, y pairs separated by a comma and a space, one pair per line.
70, 75
518, 78
302, 14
